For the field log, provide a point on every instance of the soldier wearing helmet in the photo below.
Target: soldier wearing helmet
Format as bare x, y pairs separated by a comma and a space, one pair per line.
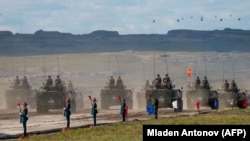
111, 83
166, 82
226, 85
205, 83
158, 81
49, 83
58, 83
25, 83
234, 86
17, 82
197, 82
119, 83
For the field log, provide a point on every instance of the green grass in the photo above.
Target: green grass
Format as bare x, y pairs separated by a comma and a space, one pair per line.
132, 131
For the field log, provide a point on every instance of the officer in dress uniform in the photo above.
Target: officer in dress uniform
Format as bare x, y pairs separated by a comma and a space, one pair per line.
94, 110
123, 110
24, 118
67, 113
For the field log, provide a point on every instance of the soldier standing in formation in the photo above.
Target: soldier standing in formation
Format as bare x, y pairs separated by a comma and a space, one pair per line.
67, 113
123, 110
156, 104
94, 110
24, 118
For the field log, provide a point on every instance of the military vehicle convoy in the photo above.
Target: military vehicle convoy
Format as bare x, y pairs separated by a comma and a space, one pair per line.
20, 91
54, 97
164, 92
203, 93
111, 93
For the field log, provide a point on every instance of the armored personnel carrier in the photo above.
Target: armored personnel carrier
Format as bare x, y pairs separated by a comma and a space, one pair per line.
203, 93
165, 93
232, 97
109, 95
52, 97
20, 92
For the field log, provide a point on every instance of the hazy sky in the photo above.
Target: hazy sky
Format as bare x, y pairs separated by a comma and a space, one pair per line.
124, 16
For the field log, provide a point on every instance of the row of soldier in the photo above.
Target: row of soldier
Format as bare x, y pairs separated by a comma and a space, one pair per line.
205, 84
118, 85
58, 84
23, 84
164, 83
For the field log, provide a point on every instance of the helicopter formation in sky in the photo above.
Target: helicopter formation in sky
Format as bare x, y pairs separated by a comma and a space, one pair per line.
202, 18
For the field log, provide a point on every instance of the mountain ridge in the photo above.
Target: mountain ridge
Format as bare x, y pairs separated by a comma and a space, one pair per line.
51, 42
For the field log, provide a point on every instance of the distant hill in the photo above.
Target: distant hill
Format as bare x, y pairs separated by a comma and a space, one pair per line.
51, 42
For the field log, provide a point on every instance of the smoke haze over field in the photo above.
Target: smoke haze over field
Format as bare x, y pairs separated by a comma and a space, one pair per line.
90, 72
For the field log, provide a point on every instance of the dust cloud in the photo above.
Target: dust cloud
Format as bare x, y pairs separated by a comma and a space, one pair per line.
91, 72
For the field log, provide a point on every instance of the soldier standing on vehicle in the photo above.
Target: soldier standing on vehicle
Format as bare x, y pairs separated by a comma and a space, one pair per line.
197, 82
17, 82
156, 104
166, 82
158, 81
94, 110
123, 110
119, 83
58, 83
205, 83
25, 83
49, 83
67, 113
24, 118
234, 86
226, 85
111, 83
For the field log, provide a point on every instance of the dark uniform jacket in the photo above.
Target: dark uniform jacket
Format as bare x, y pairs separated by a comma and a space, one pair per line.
67, 111
23, 116
94, 109
123, 108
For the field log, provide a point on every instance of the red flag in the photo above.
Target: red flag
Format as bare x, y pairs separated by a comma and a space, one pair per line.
126, 111
19, 102
119, 98
197, 105
189, 72
90, 98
